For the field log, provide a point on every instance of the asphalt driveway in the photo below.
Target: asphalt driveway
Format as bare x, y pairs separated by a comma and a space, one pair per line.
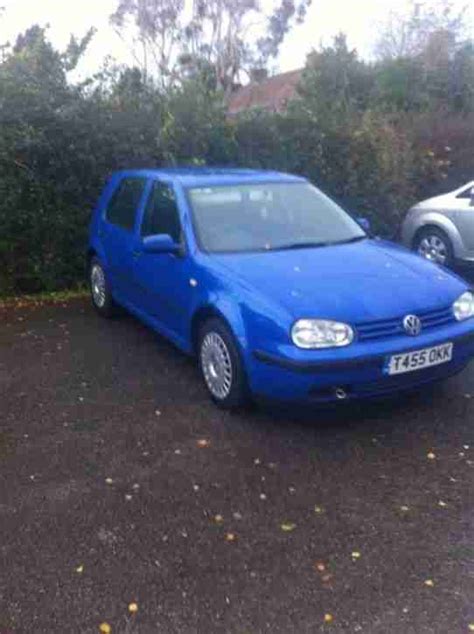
130, 503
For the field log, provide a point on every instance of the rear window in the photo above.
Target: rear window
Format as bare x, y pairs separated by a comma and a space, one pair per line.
122, 207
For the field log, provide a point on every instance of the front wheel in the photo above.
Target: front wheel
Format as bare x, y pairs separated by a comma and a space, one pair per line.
101, 294
221, 365
434, 245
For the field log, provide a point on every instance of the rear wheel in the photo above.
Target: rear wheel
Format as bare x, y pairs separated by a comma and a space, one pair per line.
221, 365
101, 294
434, 245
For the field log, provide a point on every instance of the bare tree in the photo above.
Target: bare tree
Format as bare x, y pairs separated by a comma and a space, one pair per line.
169, 38
407, 34
152, 29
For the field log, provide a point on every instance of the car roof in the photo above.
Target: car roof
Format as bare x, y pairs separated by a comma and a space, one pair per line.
212, 176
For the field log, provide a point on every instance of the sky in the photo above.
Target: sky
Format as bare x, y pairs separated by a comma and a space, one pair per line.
359, 19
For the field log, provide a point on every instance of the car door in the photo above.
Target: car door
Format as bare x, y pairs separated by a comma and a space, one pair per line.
117, 233
463, 205
163, 279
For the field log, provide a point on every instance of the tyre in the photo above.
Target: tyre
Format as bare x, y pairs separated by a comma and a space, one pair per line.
434, 245
221, 365
101, 294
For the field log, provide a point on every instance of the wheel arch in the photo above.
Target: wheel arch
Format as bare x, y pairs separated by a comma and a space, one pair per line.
231, 318
441, 223
91, 252
425, 228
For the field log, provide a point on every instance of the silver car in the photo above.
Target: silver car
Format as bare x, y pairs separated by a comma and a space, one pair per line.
441, 229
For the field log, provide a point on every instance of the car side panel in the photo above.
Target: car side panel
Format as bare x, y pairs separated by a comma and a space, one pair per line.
464, 219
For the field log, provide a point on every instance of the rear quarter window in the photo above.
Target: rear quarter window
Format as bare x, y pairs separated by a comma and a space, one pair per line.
466, 193
122, 207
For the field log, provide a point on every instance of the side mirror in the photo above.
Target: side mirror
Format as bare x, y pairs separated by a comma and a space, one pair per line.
364, 223
161, 243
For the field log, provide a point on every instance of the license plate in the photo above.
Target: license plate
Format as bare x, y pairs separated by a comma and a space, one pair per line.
418, 359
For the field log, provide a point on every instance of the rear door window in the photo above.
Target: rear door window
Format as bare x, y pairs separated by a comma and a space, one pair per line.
122, 207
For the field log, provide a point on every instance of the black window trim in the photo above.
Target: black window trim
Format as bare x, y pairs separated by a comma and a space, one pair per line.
115, 189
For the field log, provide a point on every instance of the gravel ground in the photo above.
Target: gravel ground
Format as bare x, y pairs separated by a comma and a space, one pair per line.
130, 503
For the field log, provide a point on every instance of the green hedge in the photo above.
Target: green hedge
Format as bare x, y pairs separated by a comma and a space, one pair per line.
59, 142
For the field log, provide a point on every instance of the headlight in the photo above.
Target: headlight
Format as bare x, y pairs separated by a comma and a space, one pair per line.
321, 333
463, 307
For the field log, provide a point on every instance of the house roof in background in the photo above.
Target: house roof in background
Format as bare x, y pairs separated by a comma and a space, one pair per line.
270, 94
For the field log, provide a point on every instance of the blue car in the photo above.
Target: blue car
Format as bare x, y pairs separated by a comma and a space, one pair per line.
276, 290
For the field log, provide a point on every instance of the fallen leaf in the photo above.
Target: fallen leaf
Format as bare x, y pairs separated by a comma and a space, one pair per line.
429, 583
442, 504
257, 461
320, 566
328, 618
136, 486
466, 447
157, 412
470, 627
430, 455
318, 509
326, 578
355, 554
404, 508
287, 527
128, 497
237, 515
80, 568
203, 442
230, 537
132, 608
263, 496
109, 481
105, 628
218, 519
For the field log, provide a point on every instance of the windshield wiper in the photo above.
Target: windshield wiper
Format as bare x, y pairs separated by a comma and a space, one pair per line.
349, 240
301, 245
314, 245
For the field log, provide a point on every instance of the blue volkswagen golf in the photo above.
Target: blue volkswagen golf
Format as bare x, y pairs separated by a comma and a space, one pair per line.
277, 291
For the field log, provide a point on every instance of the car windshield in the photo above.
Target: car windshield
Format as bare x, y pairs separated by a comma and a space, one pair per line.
268, 216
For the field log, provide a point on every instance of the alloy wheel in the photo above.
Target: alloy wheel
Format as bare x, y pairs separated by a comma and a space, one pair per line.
433, 248
98, 286
216, 365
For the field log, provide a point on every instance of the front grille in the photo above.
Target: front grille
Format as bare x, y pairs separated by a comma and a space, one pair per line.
383, 328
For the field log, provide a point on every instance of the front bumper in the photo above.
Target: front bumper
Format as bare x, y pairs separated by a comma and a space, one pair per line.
356, 371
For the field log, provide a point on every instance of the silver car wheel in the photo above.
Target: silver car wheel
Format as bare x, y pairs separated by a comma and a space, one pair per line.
98, 286
433, 248
216, 365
